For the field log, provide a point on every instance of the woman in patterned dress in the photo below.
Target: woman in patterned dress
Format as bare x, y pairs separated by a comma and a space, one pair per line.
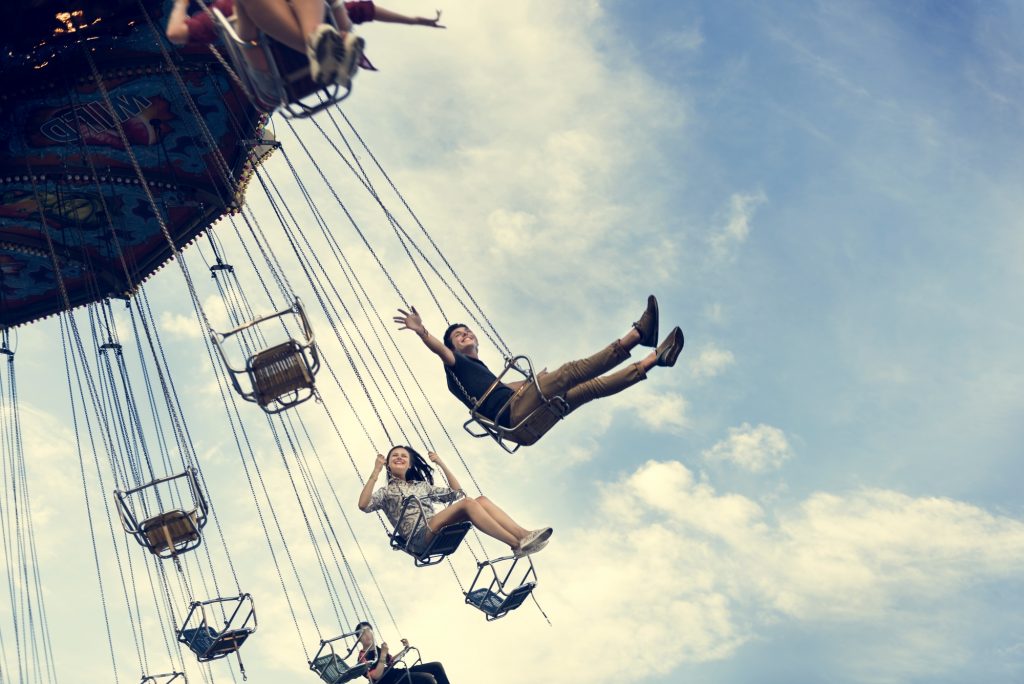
410, 475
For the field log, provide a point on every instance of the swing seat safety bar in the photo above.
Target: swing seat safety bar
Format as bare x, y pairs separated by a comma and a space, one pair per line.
165, 678
528, 430
444, 542
333, 668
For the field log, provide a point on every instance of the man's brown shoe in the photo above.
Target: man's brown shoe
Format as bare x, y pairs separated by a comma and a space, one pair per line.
647, 326
668, 350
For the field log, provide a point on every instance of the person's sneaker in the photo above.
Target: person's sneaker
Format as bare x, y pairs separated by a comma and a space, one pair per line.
668, 351
351, 51
324, 47
535, 540
541, 544
647, 326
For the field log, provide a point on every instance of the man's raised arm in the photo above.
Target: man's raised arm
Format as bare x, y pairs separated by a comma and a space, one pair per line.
411, 320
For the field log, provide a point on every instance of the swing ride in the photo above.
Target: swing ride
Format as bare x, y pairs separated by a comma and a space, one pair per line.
118, 153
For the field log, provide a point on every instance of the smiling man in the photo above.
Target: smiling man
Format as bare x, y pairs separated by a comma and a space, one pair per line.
576, 382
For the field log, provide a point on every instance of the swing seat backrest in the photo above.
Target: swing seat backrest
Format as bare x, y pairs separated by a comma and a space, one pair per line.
278, 371
333, 670
164, 678
444, 543
496, 605
208, 644
172, 531
537, 423
294, 70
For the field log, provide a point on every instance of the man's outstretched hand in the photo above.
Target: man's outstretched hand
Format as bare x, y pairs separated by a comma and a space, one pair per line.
410, 320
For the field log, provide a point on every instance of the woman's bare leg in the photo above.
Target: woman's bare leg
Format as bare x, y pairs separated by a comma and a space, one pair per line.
469, 509
502, 518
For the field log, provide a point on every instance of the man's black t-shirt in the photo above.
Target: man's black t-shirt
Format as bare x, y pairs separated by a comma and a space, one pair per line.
476, 378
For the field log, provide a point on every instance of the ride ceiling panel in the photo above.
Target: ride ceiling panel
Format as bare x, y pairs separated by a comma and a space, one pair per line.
70, 192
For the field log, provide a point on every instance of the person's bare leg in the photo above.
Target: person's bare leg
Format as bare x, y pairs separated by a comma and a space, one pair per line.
502, 518
469, 509
341, 17
310, 14
248, 32
289, 23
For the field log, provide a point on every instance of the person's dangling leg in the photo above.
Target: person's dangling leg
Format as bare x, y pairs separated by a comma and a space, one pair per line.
435, 669
400, 675
574, 373
607, 385
502, 518
469, 509
299, 24
288, 23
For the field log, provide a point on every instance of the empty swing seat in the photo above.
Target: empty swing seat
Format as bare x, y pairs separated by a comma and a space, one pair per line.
280, 377
208, 644
279, 371
174, 532
496, 605
333, 670
496, 599
171, 532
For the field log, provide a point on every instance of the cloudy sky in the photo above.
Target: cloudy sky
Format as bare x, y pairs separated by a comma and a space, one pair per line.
824, 195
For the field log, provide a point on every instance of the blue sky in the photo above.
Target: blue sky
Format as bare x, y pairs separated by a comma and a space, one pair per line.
825, 196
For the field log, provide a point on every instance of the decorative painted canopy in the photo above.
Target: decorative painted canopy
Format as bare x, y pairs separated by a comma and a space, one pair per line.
75, 86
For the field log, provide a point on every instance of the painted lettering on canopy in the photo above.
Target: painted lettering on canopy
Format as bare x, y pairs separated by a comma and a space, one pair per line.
63, 126
144, 120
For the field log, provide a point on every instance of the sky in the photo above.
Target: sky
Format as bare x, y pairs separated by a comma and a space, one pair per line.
823, 195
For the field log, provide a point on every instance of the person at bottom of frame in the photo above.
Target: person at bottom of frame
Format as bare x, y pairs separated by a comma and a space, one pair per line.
384, 673
409, 475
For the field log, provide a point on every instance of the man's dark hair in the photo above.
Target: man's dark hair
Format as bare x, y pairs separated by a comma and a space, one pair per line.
361, 625
447, 339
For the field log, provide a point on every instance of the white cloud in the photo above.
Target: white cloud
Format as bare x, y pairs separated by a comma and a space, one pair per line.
725, 241
711, 361
727, 570
179, 325
752, 448
658, 409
